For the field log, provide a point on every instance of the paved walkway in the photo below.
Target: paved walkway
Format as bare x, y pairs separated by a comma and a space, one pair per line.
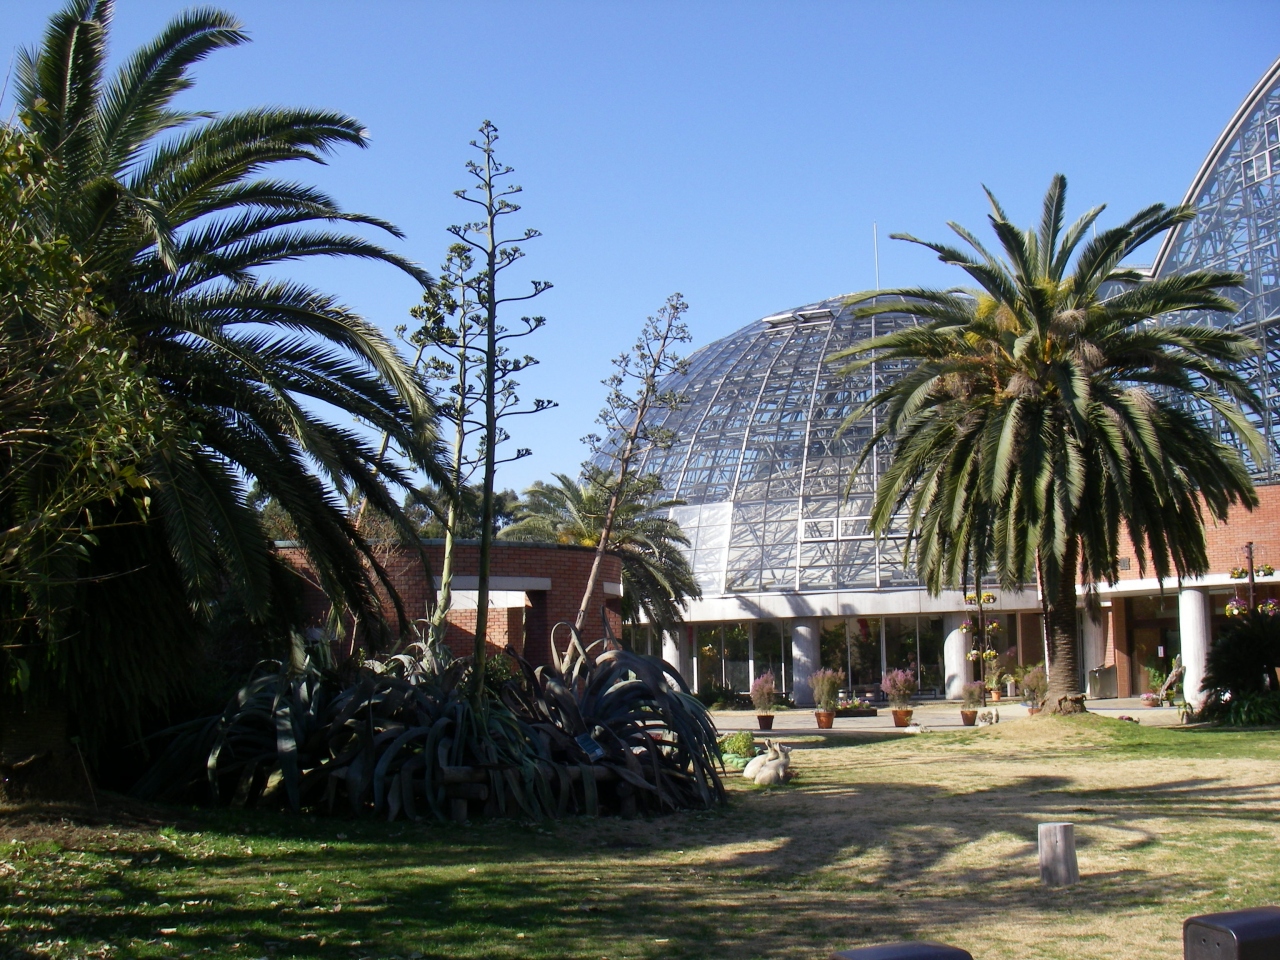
934, 715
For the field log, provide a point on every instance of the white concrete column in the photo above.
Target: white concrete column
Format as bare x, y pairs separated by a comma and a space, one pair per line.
955, 650
673, 651
1193, 626
804, 659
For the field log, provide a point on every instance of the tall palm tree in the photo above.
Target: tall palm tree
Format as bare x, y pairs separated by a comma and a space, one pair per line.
656, 576
1051, 413
173, 213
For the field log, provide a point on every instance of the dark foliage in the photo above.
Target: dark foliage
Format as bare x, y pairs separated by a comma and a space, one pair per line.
603, 731
1240, 675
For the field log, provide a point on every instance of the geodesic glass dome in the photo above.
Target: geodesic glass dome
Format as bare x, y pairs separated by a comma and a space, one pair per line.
759, 463
1236, 196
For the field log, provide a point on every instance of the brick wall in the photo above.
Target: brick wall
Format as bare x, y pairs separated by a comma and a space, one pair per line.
1225, 541
528, 628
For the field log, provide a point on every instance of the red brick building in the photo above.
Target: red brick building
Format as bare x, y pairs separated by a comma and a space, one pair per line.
533, 586
1144, 624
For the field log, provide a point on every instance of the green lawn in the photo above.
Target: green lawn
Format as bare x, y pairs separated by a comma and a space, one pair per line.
929, 836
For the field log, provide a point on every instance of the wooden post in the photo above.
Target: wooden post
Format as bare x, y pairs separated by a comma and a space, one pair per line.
1058, 867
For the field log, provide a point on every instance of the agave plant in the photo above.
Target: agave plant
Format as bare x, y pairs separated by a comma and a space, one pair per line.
611, 709
602, 731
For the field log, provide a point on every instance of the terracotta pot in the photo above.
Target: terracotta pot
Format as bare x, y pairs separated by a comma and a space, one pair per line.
765, 720
901, 718
968, 717
825, 718
995, 695
1032, 711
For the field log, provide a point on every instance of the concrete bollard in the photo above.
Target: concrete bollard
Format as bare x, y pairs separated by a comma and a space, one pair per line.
910, 950
1058, 867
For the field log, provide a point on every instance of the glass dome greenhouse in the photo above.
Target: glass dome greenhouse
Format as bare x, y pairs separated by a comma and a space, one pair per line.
762, 463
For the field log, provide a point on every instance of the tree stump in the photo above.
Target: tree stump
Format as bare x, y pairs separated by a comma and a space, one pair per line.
1058, 867
458, 810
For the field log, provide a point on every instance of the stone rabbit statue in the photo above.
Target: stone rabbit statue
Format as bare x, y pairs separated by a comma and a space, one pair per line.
755, 763
775, 772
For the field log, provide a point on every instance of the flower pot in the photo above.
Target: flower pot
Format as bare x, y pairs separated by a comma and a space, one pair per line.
995, 695
765, 720
901, 718
968, 717
1032, 711
825, 718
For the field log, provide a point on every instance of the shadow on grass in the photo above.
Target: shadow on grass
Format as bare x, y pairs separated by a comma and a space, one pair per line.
841, 860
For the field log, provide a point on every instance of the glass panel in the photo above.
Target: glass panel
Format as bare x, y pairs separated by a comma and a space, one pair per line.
832, 649
773, 652
709, 663
900, 651
864, 652
933, 670
735, 656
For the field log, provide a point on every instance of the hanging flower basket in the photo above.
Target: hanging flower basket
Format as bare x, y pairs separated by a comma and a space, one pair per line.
1239, 573
1266, 570
1236, 607
1269, 607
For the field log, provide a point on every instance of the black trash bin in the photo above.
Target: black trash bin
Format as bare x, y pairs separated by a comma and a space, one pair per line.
1238, 935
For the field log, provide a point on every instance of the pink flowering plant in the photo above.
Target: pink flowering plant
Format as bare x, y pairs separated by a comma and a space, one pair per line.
763, 692
898, 686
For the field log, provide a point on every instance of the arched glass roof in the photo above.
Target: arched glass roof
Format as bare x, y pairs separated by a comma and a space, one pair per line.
1236, 195
758, 461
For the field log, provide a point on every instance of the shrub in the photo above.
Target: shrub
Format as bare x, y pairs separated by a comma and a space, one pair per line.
898, 686
1035, 685
1239, 676
598, 730
971, 694
763, 692
825, 684
741, 744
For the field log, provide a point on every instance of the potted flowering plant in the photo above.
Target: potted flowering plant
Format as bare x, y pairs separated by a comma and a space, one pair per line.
898, 686
1236, 607
971, 697
966, 626
1266, 570
1239, 573
854, 707
825, 684
763, 692
1269, 607
1151, 700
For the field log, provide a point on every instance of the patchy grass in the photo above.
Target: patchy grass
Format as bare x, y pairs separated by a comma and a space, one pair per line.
928, 836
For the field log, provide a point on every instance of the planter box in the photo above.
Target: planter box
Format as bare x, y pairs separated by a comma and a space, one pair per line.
858, 712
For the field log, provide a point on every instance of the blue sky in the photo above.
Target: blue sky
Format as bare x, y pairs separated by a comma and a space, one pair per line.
736, 152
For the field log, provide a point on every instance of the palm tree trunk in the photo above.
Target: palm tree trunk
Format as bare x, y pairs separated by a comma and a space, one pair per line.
1062, 646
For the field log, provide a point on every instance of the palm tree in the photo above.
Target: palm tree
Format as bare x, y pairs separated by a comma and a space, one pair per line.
173, 214
1051, 413
656, 577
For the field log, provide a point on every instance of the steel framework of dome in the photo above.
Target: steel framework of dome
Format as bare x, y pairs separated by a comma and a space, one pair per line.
1236, 196
763, 465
